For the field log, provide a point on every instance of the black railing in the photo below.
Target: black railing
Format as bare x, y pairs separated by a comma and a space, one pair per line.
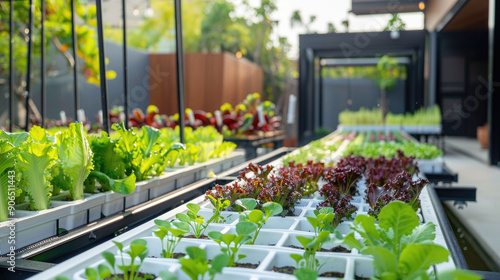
102, 65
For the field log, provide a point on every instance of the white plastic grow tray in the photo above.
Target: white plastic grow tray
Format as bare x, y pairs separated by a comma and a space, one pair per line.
422, 129
431, 165
270, 251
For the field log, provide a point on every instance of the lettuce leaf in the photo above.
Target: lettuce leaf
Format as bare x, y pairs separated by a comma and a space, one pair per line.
75, 160
35, 160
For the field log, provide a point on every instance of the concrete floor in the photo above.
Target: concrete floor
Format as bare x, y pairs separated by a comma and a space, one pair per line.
481, 218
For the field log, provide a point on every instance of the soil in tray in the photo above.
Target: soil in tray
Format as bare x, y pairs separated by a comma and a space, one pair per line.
176, 256
336, 249
193, 236
139, 276
291, 269
246, 265
361, 278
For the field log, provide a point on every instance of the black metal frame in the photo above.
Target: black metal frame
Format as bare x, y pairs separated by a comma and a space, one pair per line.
493, 82
102, 65
353, 45
11, 65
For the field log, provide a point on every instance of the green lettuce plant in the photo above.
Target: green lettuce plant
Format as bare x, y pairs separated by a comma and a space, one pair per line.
400, 246
220, 204
37, 156
322, 220
172, 233
195, 221
196, 264
75, 160
311, 245
256, 216
231, 243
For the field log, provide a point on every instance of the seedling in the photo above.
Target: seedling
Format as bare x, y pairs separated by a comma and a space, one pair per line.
244, 232
195, 222
220, 204
258, 217
323, 220
196, 266
138, 249
311, 246
172, 233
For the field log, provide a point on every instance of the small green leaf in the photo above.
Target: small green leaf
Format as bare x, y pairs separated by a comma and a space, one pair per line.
304, 240
104, 271
458, 274
400, 217
313, 221
383, 259
296, 257
245, 228
181, 225
167, 275
160, 234
326, 210
196, 253
421, 234
109, 257
272, 209
91, 274
182, 217
227, 238
139, 242
305, 274
162, 223
219, 262
193, 207
177, 232
419, 257
255, 216
215, 235
119, 245
247, 203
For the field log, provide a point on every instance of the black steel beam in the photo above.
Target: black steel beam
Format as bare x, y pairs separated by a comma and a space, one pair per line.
11, 65
102, 67
456, 193
449, 236
75, 55
31, 12
125, 63
451, 14
42, 65
494, 82
180, 66
446, 176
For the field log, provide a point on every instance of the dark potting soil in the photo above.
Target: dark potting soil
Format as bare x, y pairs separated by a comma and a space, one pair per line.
284, 269
141, 276
336, 249
246, 265
193, 236
176, 256
332, 274
361, 278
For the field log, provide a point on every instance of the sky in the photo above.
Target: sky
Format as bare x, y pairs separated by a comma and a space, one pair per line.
334, 11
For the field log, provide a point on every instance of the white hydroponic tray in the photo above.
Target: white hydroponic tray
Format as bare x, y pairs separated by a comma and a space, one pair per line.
272, 248
35, 226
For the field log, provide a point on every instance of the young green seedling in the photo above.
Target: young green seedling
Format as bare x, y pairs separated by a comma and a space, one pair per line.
244, 232
220, 204
258, 217
196, 266
173, 235
195, 222
323, 220
311, 246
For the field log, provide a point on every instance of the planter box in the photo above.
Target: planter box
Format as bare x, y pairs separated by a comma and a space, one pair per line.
32, 227
422, 129
79, 212
431, 165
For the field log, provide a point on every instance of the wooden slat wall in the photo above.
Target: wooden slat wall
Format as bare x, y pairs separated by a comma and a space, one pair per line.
210, 80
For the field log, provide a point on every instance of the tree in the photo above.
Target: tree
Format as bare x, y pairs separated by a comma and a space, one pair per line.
345, 23
387, 76
395, 24
331, 28
58, 36
296, 20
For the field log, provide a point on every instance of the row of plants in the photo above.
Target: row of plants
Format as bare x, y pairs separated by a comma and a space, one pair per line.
42, 163
400, 246
423, 116
374, 144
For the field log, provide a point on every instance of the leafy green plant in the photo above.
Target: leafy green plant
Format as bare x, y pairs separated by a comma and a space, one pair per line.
196, 266
231, 243
137, 249
402, 249
256, 216
311, 245
172, 233
323, 220
37, 156
305, 274
195, 221
75, 160
220, 204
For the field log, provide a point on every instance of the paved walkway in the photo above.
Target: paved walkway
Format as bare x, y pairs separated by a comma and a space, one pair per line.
483, 217
467, 146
